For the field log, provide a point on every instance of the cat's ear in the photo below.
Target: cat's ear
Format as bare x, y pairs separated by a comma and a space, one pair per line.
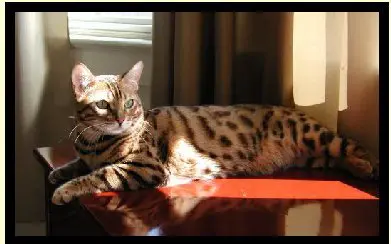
132, 78
81, 78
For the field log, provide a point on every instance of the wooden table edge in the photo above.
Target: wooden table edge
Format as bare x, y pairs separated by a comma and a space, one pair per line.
47, 168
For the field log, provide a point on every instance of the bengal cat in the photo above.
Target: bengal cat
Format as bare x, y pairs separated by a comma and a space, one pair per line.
123, 148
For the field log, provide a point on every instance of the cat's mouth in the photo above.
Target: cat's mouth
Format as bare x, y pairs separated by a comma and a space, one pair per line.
118, 128
113, 127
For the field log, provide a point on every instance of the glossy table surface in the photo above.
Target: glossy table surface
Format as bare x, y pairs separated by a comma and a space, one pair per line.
296, 202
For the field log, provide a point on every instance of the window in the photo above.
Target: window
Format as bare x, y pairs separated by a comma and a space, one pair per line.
119, 28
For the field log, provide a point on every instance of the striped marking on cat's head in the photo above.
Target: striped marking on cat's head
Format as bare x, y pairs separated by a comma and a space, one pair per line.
111, 101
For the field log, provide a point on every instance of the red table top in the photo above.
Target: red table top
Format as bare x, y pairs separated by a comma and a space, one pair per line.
295, 202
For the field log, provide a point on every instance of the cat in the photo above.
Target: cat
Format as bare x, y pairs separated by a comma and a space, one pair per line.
121, 147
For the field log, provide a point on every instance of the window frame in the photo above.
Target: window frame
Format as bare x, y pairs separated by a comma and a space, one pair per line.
107, 29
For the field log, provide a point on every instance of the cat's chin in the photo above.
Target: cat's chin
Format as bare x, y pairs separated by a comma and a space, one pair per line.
117, 131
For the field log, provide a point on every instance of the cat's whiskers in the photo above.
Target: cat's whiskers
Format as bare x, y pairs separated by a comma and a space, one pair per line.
88, 127
74, 128
69, 135
82, 133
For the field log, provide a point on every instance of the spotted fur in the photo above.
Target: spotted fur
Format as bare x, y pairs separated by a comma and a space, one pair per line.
123, 148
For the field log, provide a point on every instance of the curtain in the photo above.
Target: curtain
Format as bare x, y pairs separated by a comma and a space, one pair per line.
320, 46
221, 58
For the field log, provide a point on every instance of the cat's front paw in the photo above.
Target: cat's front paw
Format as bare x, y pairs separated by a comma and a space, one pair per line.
54, 177
63, 194
60, 175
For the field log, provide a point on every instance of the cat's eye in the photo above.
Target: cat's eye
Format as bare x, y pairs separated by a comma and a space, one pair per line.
129, 103
102, 104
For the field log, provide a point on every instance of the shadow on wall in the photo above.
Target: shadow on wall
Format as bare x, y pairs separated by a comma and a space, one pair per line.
361, 119
30, 74
43, 102
57, 100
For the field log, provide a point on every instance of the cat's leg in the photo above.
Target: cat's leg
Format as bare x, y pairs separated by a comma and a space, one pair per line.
69, 171
337, 151
355, 159
116, 177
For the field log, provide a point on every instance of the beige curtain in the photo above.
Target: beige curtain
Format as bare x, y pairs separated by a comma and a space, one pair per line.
221, 58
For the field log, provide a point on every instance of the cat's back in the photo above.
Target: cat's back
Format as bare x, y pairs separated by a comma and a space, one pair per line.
197, 140
210, 122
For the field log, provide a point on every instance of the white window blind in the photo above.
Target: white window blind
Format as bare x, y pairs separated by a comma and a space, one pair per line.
128, 28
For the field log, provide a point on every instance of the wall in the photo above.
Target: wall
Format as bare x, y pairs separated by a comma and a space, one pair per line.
44, 60
361, 119
30, 73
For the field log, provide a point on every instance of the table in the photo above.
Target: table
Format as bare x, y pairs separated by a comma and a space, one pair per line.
296, 202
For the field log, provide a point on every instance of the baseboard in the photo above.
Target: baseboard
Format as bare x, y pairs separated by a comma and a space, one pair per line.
30, 229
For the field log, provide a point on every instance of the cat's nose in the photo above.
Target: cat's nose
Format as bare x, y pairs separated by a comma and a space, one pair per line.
120, 120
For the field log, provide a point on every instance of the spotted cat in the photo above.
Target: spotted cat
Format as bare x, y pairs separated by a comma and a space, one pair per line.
121, 147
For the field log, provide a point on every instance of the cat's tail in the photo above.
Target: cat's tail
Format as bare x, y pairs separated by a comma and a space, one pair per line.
340, 152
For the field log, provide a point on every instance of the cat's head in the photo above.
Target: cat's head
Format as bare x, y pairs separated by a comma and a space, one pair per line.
108, 103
